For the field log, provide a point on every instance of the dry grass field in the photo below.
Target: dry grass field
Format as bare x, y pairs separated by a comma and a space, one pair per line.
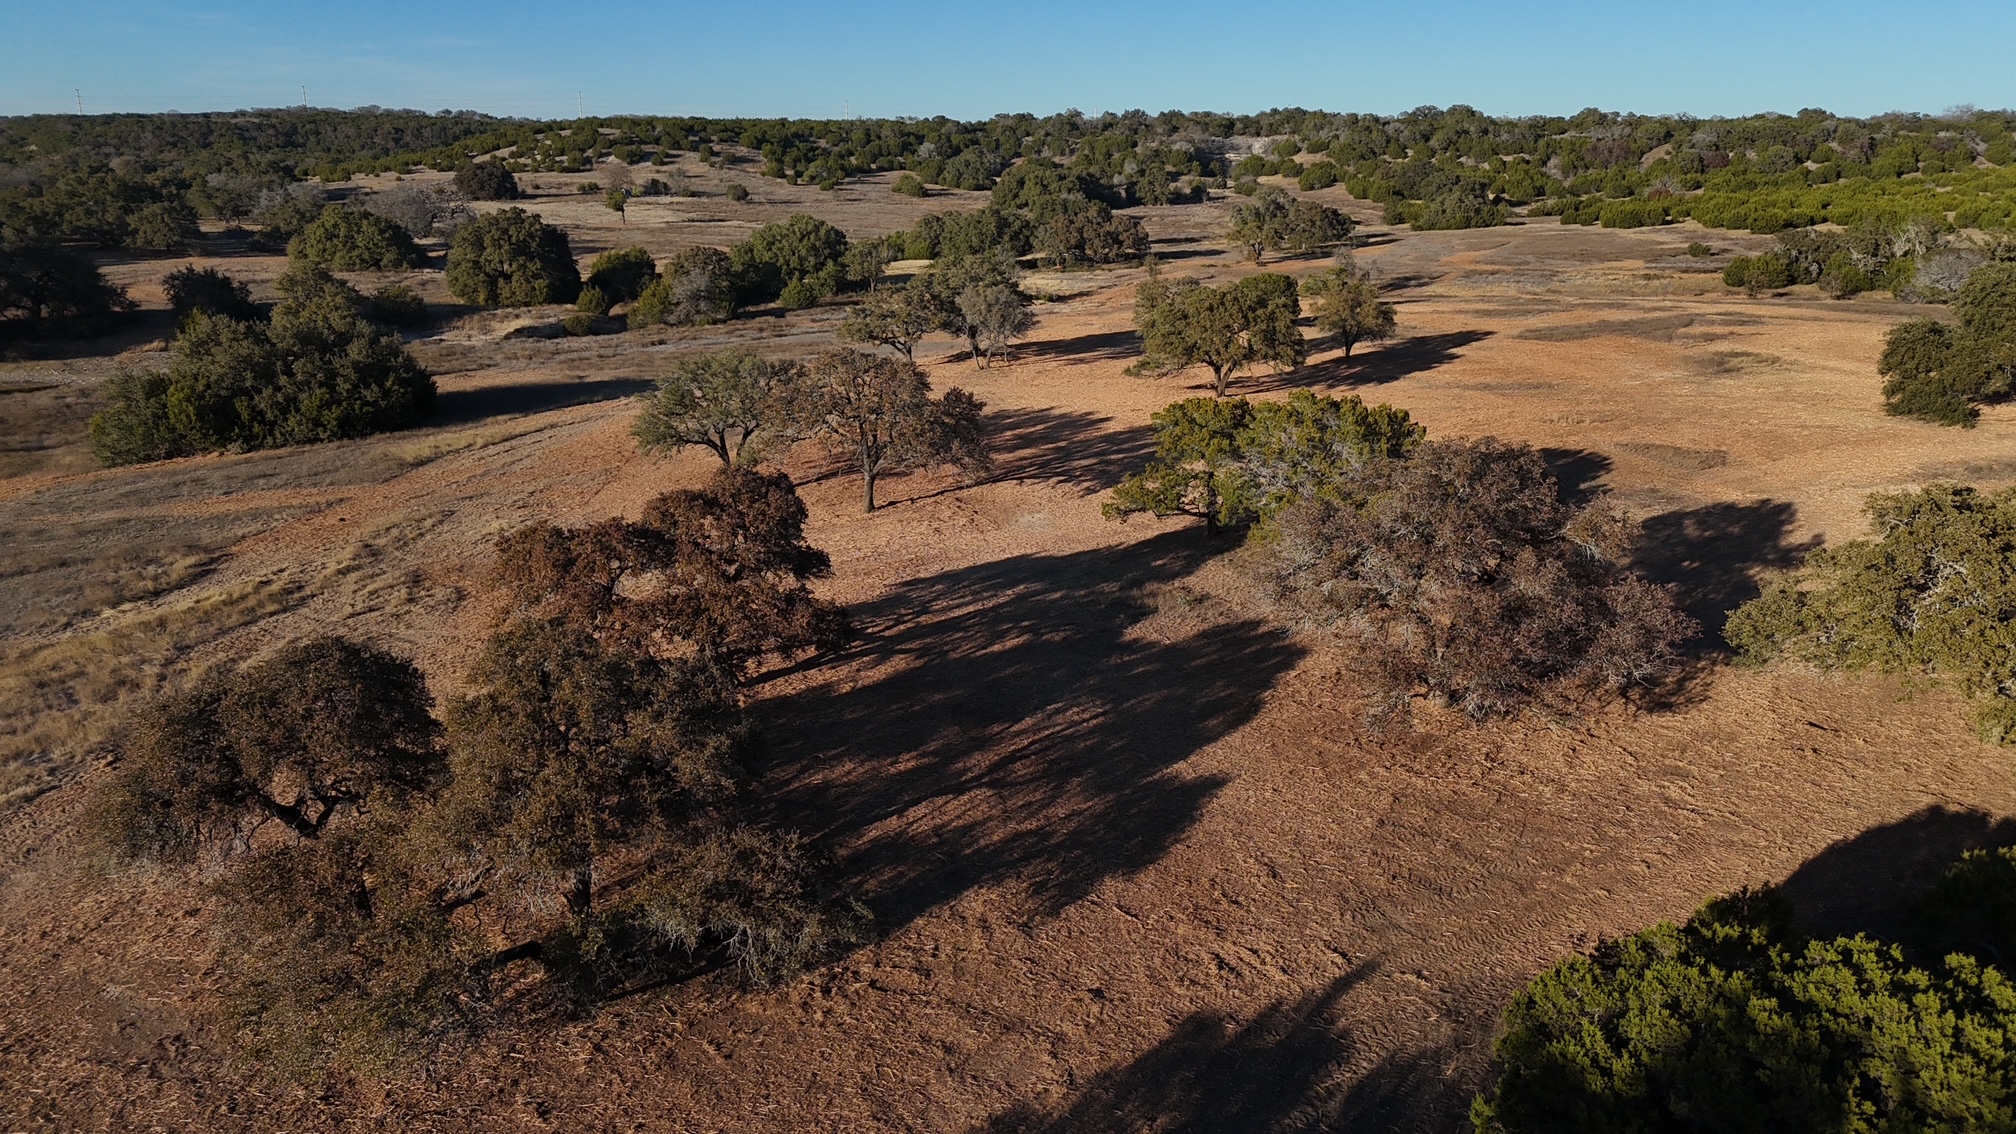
1136, 863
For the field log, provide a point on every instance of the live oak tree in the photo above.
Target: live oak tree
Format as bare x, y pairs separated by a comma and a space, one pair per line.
998, 313
1457, 572
487, 181
1273, 221
321, 732
716, 574
895, 317
734, 402
348, 239
953, 276
1184, 323
1228, 460
1348, 307
877, 413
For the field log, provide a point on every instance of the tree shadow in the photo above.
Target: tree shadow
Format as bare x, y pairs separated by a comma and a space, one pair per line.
1713, 555
1070, 446
459, 407
1211, 1074
1374, 367
1003, 726
1099, 346
1869, 883
1580, 472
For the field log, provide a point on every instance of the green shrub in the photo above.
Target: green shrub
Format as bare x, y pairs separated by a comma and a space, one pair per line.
1942, 372
801, 254
737, 191
209, 291
621, 276
579, 323
594, 300
352, 240
487, 181
320, 371
1931, 593
1754, 274
1698, 250
1321, 175
697, 286
397, 305
512, 259
1632, 214
908, 185
1734, 1021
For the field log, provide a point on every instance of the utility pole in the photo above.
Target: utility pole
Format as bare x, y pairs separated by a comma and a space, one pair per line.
304, 96
580, 105
80, 98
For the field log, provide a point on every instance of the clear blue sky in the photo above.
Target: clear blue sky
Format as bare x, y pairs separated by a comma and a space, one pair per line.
965, 60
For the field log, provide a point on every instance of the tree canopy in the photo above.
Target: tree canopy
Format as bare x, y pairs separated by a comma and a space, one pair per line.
1184, 323
511, 258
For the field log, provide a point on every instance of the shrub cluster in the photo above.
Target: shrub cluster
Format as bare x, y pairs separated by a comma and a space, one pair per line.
1274, 221
1944, 372
1736, 1020
572, 827
512, 259
319, 370
352, 240
1931, 593
487, 181
697, 285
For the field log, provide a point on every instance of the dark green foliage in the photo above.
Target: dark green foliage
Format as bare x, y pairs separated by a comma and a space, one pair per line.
801, 255
352, 240
877, 413
1459, 573
737, 191
209, 291
1184, 323
164, 226
1755, 274
1931, 593
1230, 461
908, 185
45, 288
1321, 175
487, 181
1273, 221
1735, 1022
396, 305
512, 259
1635, 213
1465, 206
697, 285
580, 324
736, 403
319, 371
1348, 307
622, 275
1091, 235
320, 734
1942, 372
1972, 909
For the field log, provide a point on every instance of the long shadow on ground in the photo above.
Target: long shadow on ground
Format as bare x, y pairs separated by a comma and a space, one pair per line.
1067, 445
1868, 883
1005, 728
458, 407
1277, 1072
1372, 367
1715, 555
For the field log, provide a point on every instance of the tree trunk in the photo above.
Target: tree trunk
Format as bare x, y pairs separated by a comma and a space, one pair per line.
1220, 380
868, 488
581, 896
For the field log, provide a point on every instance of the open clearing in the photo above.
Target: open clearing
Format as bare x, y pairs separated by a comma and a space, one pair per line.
1135, 862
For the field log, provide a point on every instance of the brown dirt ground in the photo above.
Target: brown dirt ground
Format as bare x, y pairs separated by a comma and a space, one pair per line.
1135, 862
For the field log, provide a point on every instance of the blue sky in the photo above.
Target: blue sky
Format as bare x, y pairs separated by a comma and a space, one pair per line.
968, 61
